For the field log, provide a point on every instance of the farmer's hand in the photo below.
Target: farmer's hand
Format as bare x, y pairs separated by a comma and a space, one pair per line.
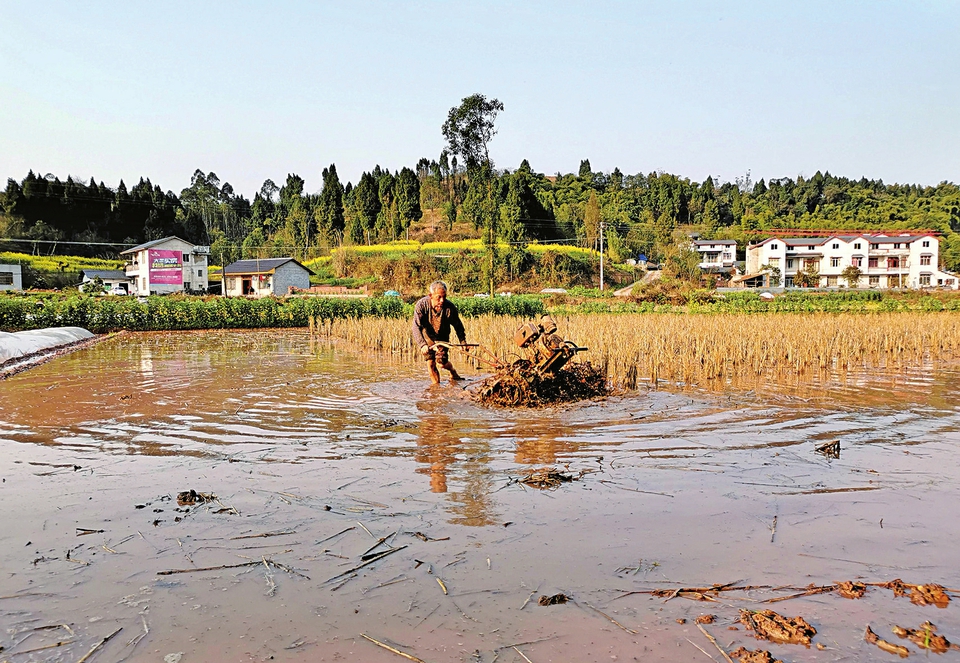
425, 349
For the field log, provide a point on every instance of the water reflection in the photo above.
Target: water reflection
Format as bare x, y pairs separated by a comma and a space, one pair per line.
277, 396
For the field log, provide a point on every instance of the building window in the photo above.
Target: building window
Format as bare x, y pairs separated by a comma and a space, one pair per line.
774, 262
925, 260
811, 265
831, 281
186, 258
874, 247
924, 279
874, 281
789, 263
773, 246
834, 262
897, 245
6, 278
893, 263
894, 281
926, 243
200, 273
857, 261
836, 246
788, 282
143, 282
857, 246
873, 262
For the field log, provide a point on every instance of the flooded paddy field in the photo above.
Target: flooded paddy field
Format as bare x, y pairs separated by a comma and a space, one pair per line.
338, 496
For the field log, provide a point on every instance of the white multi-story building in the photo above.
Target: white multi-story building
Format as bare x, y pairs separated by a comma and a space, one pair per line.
716, 255
884, 260
167, 265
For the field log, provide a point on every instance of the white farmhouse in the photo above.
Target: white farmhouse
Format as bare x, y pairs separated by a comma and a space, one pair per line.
717, 256
264, 277
11, 277
884, 260
167, 265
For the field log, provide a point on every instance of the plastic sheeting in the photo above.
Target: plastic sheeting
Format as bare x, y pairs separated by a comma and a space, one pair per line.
19, 344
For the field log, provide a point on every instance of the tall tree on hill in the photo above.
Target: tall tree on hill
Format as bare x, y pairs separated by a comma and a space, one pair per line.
469, 129
408, 198
366, 203
329, 210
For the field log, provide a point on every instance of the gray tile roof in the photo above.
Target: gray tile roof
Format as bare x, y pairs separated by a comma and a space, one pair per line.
148, 245
258, 265
112, 274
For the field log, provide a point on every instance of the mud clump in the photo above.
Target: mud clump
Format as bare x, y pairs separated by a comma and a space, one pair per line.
191, 497
556, 599
521, 385
759, 656
768, 625
925, 637
851, 590
889, 647
546, 479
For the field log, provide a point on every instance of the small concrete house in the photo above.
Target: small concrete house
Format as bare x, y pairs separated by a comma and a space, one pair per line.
114, 281
264, 277
11, 277
167, 265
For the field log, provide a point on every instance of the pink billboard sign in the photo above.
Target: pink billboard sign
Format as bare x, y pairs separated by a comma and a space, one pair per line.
166, 267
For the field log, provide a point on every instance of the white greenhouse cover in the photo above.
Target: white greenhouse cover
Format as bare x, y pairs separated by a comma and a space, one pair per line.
19, 344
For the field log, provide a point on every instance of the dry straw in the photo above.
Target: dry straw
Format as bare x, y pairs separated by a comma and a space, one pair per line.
692, 348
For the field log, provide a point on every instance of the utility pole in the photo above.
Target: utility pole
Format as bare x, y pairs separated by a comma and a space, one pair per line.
603, 227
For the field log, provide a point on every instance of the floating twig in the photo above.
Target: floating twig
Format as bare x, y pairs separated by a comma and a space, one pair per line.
773, 530
36, 649
99, 645
83, 531
264, 535
715, 643
523, 655
334, 536
391, 649
628, 630
442, 586
368, 562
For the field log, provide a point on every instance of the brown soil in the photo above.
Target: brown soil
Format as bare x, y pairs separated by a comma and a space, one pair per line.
768, 625
756, 656
925, 637
889, 647
851, 590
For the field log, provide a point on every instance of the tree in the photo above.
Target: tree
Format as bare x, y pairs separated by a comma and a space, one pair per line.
775, 275
366, 203
851, 274
470, 128
329, 212
408, 197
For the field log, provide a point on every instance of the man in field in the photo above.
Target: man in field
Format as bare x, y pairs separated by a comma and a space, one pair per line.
433, 316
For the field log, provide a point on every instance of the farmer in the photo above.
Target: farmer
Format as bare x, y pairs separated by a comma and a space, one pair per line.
433, 316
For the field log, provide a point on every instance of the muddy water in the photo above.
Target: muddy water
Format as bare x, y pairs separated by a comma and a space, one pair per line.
317, 452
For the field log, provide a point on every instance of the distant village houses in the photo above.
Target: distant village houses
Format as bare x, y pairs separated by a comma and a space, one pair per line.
717, 256
167, 265
882, 260
264, 277
115, 281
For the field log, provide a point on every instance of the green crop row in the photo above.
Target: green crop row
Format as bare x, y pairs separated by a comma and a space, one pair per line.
105, 314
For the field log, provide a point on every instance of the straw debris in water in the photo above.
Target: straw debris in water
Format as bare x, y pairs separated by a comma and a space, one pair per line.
519, 385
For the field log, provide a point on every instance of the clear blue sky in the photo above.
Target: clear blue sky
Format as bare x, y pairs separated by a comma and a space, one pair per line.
257, 90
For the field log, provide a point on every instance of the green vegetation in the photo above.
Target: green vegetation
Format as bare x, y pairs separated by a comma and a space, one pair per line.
496, 226
104, 314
